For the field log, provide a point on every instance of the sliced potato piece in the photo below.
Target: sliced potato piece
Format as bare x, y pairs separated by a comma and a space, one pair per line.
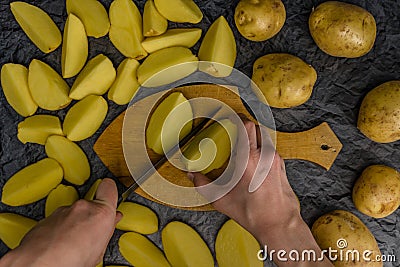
186, 37
219, 46
93, 15
47, 87
37, 25
71, 158
62, 195
14, 81
95, 78
140, 251
126, 29
85, 117
153, 22
91, 193
13, 228
163, 59
179, 10
32, 183
183, 246
74, 48
137, 218
235, 246
126, 84
37, 128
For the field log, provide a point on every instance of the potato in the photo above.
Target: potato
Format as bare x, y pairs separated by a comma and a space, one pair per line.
137, 218
183, 246
376, 193
48, 89
14, 81
235, 246
37, 25
153, 22
13, 228
219, 46
32, 183
62, 195
169, 123
211, 148
379, 116
179, 10
95, 78
141, 252
342, 30
186, 37
284, 80
259, 20
91, 193
37, 128
343, 231
85, 117
74, 48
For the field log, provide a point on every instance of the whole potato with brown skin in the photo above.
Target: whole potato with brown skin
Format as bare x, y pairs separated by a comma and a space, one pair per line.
259, 20
379, 116
342, 30
377, 192
284, 80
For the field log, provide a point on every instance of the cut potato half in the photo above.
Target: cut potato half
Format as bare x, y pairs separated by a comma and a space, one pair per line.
91, 193
37, 128
13, 228
179, 10
153, 22
60, 196
137, 218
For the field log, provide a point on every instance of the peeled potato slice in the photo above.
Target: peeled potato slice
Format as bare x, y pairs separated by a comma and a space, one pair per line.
126, 84
47, 87
71, 158
183, 246
91, 193
186, 37
141, 252
95, 78
235, 246
14, 81
93, 15
85, 117
153, 22
32, 183
137, 218
13, 228
74, 48
37, 25
37, 128
62, 195
219, 46
179, 10
126, 29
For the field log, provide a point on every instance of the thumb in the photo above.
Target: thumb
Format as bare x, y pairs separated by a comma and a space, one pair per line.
198, 178
107, 193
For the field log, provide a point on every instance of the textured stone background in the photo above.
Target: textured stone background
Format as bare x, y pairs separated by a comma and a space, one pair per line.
341, 86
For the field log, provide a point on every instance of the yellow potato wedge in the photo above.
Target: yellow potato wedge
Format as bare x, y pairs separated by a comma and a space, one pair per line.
153, 22
162, 60
219, 46
235, 247
126, 84
169, 123
100, 264
186, 37
140, 251
60, 196
91, 193
74, 48
95, 78
93, 15
183, 246
71, 158
13, 228
179, 10
37, 25
32, 183
137, 218
48, 88
85, 117
14, 81
126, 29
37, 128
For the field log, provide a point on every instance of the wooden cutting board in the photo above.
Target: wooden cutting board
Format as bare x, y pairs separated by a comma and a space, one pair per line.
319, 145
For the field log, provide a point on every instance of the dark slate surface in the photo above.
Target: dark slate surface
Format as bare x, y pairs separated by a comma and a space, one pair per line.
341, 86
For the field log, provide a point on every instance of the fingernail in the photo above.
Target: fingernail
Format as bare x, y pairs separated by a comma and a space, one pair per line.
190, 176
